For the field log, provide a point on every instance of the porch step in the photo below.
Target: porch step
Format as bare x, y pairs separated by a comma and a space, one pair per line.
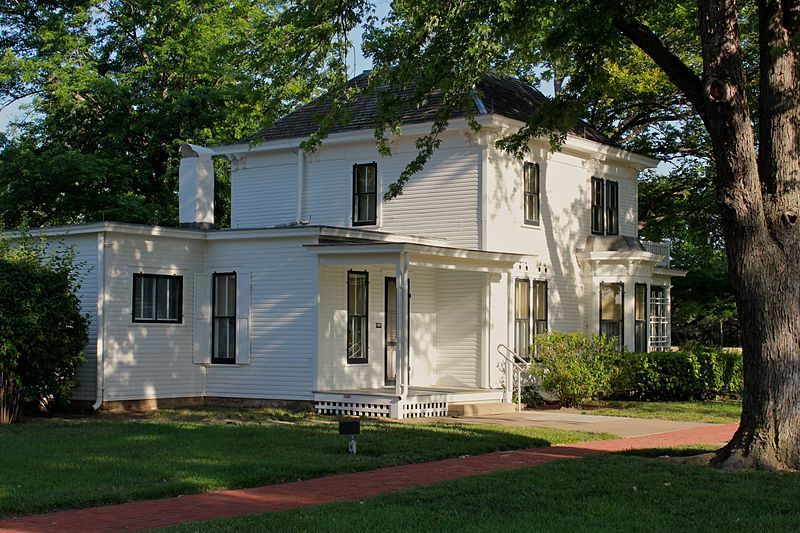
480, 408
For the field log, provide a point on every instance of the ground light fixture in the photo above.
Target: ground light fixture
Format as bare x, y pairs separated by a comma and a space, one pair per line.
350, 427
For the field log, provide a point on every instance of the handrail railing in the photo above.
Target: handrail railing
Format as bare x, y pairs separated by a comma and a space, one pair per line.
519, 365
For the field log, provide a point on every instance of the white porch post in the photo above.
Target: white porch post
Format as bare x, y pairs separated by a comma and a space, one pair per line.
402, 374
511, 295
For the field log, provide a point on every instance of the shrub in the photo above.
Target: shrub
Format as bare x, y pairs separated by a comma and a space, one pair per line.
42, 332
695, 374
573, 366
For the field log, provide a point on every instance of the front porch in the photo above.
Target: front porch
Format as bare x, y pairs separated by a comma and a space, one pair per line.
403, 329
384, 403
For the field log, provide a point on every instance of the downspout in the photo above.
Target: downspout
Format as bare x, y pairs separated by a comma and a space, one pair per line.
301, 161
101, 329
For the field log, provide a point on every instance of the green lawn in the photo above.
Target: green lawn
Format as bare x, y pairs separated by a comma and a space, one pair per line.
66, 463
601, 493
717, 412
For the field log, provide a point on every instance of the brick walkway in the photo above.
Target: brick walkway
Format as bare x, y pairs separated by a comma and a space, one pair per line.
339, 488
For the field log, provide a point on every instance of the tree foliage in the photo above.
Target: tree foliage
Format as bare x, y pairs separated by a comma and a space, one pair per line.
42, 331
700, 81
117, 85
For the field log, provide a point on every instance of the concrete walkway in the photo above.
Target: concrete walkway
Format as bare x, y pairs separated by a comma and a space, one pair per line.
574, 420
339, 488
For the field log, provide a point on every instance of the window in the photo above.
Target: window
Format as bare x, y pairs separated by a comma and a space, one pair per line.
659, 319
539, 307
522, 316
530, 314
157, 298
640, 318
605, 207
357, 309
223, 322
611, 321
598, 195
612, 208
365, 194
531, 178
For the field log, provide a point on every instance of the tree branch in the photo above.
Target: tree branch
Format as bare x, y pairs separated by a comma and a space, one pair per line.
678, 72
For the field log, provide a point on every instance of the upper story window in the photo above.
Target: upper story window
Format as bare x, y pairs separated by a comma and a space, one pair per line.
605, 207
157, 298
365, 194
531, 182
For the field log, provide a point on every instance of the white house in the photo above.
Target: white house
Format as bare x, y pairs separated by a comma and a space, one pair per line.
322, 291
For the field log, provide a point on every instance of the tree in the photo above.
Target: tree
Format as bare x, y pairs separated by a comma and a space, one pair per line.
707, 52
680, 206
42, 331
118, 85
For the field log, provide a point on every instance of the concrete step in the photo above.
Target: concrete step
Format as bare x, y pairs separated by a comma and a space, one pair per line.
480, 408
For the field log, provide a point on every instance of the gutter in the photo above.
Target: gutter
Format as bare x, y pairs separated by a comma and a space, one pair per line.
101, 330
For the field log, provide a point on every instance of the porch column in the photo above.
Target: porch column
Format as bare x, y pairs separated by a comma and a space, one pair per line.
511, 336
401, 374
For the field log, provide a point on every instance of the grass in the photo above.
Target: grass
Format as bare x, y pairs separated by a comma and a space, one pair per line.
50, 464
600, 493
717, 412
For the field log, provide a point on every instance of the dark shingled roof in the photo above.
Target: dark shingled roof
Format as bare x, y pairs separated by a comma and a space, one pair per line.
509, 97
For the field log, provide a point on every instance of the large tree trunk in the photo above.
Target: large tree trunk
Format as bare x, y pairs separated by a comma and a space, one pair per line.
760, 203
759, 198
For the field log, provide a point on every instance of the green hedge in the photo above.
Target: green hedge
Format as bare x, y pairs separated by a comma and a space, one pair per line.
699, 374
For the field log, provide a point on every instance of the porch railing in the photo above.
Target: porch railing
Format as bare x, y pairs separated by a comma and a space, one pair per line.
518, 366
660, 248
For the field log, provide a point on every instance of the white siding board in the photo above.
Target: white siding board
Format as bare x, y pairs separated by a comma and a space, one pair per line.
85, 248
459, 313
264, 196
149, 360
282, 319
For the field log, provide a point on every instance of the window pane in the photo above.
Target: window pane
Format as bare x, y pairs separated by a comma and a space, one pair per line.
611, 329
522, 338
610, 301
162, 293
540, 300
522, 305
137, 297
225, 295
357, 294
176, 287
147, 295
357, 335
641, 308
230, 293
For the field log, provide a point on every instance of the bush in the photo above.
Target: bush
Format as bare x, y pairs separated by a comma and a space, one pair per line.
573, 366
42, 332
695, 374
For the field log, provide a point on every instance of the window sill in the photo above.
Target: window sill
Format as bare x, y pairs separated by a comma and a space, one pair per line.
532, 226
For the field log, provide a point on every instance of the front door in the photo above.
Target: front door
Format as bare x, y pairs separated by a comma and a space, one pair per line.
390, 331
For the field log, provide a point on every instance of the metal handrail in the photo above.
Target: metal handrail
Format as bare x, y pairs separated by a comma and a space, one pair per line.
519, 368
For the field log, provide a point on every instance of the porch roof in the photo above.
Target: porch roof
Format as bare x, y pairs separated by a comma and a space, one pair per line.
420, 255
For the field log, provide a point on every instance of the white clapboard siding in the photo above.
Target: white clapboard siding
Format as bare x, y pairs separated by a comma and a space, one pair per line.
423, 327
147, 360
85, 248
459, 313
440, 201
282, 319
264, 191
201, 348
